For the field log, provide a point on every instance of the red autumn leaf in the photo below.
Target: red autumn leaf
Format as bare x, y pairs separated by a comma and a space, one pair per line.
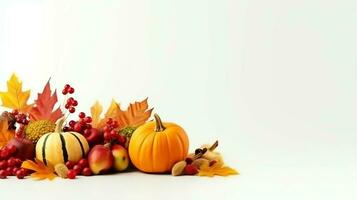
44, 105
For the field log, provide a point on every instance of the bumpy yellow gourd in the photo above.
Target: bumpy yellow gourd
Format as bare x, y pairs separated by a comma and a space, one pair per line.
155, 146
60, 147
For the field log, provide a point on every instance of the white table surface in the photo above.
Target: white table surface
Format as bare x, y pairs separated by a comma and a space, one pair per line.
298, 181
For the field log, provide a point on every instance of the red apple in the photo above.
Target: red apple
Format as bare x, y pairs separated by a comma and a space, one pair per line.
25, 148
100, 159
94, 137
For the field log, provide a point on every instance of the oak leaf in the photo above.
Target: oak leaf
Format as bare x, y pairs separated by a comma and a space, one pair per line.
135, 115
216, 169
41, 171
44, 105
14, 97
5, 134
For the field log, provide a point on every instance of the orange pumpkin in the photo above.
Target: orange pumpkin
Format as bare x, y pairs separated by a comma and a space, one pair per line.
156, 146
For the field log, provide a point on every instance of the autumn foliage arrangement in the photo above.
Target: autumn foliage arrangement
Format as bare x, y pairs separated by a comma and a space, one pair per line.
39, 140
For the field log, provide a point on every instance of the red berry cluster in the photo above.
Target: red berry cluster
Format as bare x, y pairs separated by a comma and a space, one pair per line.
111, 134
10, 165
71, 102
80, 126
75, 169
83, 126
67, 89
20, 118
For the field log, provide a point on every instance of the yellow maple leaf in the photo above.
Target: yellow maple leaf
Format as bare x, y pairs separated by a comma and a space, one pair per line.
14, 97
5, 134
113, 110
41, 171
96, 110
217, 169
136, 114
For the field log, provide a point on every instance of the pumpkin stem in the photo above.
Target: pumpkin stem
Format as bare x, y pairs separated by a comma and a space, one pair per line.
59, 124
159, 125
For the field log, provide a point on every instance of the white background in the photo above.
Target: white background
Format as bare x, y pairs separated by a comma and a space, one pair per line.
273, 80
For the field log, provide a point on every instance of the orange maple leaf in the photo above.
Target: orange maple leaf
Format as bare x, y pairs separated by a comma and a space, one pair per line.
41, 171
136, 114
44, 105
5, 134
15, 98
217, 169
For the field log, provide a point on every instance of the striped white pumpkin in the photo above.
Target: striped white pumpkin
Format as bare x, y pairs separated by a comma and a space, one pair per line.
60, 147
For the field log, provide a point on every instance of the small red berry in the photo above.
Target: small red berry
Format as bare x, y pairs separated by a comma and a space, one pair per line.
67, 129
72, 123
75, 103
87, 132
71, 174
83, 163
64, 92
3, 164
81, 115
72, 110
70, 101
18, 162
86, 171
115, 124
71, 90
24, 171
88, 119
67, 106
14, 170
19, 174
9, 171
11, 162
77, 127
77, 168
3, 174
67, 86
121, 139
5, 153
70, 164
113, 134
12, 149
